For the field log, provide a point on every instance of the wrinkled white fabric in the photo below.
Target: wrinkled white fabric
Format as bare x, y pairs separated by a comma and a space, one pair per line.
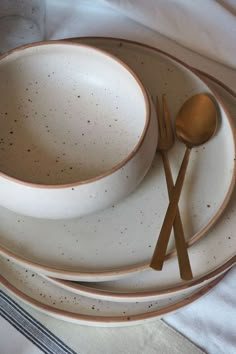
149, 338
205, 26
211, 322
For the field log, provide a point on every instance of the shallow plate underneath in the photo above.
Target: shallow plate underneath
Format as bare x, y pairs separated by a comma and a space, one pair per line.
37, 292
120, 240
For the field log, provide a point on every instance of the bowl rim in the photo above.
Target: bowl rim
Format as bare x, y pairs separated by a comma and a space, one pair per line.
136, 148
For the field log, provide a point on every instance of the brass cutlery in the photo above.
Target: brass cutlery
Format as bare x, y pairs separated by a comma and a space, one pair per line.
165, 142
195, 124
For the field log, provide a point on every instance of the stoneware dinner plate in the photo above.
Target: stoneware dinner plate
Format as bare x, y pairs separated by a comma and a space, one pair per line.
120, 240
210, 257
38, 293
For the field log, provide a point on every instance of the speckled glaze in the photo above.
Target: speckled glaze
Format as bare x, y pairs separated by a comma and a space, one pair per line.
141, 288
119, 241
77, 131
38, 293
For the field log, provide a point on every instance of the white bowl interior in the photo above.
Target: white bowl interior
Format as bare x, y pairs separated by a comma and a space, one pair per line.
68, 113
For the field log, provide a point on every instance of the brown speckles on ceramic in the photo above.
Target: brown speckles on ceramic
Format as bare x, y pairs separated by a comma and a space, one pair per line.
141, 213
49, 149
35, 291
64, 115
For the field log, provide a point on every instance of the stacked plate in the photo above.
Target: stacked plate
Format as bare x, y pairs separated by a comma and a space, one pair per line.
94, 270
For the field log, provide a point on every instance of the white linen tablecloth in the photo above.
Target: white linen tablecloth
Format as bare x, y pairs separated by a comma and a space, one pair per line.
208, 29
53, 336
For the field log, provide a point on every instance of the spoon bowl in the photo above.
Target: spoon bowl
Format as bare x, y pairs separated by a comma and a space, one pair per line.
196, 120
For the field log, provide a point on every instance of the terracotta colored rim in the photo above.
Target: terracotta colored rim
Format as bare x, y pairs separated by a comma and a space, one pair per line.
108, 275
70, 316
70, 286
217, 81
140, 140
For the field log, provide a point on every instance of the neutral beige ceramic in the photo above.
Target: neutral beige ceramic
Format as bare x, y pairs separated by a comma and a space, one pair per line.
38, 293
77, 133
119, 241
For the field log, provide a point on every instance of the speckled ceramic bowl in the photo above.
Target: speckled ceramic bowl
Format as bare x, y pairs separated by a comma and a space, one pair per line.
77, 130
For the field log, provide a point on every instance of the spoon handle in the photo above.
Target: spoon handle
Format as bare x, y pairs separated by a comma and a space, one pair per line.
161, 246
182, 253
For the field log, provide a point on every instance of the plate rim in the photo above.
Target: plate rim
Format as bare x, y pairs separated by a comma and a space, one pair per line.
118, 273
85, 319
147, 295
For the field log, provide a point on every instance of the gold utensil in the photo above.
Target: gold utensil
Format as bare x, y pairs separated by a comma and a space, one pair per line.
165, 142
196, 123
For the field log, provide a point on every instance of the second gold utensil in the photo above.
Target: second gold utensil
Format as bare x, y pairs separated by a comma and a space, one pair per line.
165, 143
195, 124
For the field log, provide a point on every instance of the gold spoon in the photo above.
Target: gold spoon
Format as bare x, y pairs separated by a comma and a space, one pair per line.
195, 124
